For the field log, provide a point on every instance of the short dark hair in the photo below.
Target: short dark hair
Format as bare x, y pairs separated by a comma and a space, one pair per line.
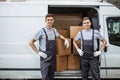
86, 18
49, 15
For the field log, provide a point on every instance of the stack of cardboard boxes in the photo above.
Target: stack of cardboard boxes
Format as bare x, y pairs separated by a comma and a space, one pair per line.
68, 26
67, 58
62, 51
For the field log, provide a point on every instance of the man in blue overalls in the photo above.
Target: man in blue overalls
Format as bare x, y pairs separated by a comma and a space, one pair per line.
88, 53
47, 47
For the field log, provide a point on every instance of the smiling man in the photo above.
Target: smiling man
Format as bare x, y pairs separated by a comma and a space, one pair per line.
47, 47
88, 53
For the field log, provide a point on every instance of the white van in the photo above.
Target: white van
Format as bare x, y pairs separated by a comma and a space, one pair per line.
19, 21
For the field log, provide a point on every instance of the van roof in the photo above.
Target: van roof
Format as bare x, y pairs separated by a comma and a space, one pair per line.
71, 3
76, 3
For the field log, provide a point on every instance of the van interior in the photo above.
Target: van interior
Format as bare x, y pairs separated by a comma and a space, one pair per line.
66, 16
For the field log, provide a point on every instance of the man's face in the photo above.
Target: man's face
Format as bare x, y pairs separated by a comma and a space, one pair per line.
86, 24
49, 21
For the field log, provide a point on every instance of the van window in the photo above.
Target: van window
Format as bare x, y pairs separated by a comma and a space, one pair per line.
113, 25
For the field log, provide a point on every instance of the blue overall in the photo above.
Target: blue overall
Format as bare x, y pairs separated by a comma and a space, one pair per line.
48, 64
88, 61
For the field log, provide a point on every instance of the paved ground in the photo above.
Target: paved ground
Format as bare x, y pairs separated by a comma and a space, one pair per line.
105, 74
65, 75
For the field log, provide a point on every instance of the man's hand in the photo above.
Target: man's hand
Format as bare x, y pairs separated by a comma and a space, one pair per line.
97, 53
43, 55
66, 43
80, 52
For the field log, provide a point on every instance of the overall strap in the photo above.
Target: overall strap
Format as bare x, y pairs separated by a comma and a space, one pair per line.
82, 41
54, 34
45, 33
93, 37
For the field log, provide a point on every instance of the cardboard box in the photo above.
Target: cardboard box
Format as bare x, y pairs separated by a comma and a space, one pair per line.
65, 33
61, 63
65, 24
74, 30
64, 21
73, 62
61, 48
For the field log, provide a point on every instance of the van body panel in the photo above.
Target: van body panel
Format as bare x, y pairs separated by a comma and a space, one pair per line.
19, 22
110, 58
